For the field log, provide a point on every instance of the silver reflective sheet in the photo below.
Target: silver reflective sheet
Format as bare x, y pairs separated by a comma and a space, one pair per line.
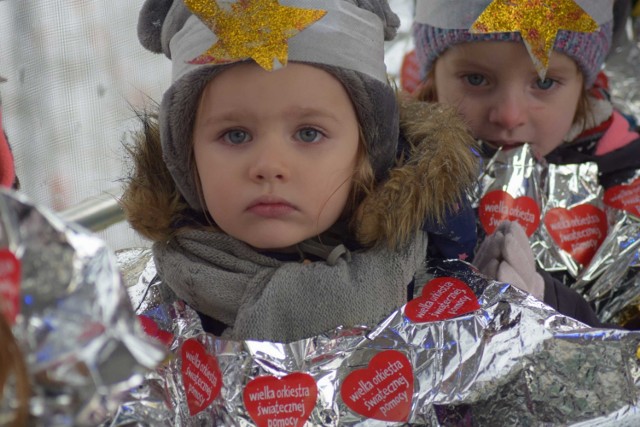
622, 307
618, 253
607, 279
522, 179
611, 281
569, 186
512, 361
78, 331
516, 174
517, 171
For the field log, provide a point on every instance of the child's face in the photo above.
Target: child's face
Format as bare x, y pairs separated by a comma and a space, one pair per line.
276, 152
497, 90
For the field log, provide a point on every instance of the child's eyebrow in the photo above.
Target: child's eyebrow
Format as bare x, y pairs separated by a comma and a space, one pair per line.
311, 112
562, 69
233, 115
466, 62
217, 117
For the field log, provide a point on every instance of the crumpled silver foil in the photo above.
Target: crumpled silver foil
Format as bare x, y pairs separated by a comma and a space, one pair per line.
610, 282
573, 191
622, 307
506, 359
560, 207
616, 255
79, 334
511, 187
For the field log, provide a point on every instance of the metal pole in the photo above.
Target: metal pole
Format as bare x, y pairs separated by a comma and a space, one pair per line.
97, 212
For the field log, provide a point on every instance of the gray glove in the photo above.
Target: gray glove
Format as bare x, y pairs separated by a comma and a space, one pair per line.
506, 256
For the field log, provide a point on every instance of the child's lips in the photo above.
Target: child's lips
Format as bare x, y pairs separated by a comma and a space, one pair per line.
271, 207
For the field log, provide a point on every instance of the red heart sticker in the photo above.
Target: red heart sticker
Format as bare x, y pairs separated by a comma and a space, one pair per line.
383, 390
9, 285
151, 328
498, 206
442, 298
200, 375
579, 231
287, 401
624, 197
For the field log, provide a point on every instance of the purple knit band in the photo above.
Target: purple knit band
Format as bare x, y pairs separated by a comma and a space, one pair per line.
587, 49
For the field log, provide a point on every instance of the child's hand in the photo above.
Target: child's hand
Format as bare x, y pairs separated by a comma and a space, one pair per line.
507, 256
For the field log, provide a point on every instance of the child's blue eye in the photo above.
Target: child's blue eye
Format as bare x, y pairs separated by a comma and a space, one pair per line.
545, 84
309, 135
475, 79
236, 136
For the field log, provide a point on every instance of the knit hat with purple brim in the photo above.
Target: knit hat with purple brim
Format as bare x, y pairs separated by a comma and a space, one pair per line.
205, 37
581, 29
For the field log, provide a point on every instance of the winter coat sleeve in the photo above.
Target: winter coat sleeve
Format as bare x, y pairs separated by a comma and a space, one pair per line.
620, 165
455, 237
614, 167
568, 302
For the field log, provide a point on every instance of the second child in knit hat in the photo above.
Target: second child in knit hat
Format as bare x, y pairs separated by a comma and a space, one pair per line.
528, 72
284, 187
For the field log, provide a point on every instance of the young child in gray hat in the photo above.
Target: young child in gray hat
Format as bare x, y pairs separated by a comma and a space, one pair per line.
281, 197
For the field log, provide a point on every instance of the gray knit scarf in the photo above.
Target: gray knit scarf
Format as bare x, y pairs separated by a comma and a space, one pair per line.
264, 299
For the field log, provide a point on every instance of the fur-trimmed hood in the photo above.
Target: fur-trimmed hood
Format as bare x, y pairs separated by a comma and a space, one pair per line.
441, 166
435, 169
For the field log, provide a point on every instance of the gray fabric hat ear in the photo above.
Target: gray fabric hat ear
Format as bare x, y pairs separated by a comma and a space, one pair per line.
150, 20
390, 21
158, 21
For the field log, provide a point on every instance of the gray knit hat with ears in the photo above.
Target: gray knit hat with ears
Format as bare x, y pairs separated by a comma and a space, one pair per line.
348, 42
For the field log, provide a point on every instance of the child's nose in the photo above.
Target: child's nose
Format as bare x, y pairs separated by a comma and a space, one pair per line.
270, 162
508, 110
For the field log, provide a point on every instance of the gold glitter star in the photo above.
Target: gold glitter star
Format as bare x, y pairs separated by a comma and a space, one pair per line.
537, 21
256, 29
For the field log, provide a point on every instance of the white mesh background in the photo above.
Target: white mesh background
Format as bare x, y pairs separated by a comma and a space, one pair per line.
75, 69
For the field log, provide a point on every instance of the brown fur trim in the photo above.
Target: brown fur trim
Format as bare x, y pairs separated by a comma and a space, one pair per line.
151, 201
440, 169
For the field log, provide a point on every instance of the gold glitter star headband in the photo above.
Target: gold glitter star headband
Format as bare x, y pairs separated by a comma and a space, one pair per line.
537, 21
342, 35
251, 29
